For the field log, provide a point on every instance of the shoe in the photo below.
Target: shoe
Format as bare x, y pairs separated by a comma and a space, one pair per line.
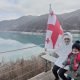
69, 78
56, 79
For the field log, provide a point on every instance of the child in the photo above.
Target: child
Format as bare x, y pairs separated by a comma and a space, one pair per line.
73, 61
63, 51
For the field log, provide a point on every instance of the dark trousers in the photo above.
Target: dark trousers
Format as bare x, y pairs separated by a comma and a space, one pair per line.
57, 71
61, 74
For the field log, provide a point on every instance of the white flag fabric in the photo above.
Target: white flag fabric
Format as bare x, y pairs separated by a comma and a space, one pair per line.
54, 32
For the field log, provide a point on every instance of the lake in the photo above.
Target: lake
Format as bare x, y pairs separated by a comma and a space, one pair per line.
14, 40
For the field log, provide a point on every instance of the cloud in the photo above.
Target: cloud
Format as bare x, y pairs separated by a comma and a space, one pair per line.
19, 8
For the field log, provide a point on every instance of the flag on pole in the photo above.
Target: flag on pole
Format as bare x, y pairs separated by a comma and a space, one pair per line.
54, 31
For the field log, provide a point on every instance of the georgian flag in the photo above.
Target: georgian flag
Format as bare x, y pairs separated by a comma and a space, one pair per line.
54, 32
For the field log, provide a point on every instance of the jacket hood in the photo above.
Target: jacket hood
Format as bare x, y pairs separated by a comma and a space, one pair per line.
68, 35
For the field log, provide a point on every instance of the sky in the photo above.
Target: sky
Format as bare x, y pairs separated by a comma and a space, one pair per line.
12, 9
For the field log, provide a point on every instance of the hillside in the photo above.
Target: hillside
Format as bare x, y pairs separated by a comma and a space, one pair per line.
69, 21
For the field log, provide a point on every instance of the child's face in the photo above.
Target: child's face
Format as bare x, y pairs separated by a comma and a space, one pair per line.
75, 51
67, 41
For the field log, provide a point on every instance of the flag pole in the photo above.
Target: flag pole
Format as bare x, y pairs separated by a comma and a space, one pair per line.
50, 9
50, 6
49, 12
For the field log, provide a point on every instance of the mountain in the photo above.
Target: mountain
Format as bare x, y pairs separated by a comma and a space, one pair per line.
9, 25
69, 21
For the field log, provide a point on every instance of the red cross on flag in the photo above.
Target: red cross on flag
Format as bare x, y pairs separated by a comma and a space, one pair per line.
54, 31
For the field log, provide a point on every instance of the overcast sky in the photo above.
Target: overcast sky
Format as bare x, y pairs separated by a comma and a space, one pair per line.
11, 9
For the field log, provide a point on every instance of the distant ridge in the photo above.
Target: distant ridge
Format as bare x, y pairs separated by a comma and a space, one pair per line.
69, 21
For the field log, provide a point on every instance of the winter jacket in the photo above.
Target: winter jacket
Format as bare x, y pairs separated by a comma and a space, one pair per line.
63, 51
73, 61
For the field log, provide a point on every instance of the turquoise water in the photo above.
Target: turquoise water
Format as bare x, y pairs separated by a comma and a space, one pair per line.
12, 41
23, 38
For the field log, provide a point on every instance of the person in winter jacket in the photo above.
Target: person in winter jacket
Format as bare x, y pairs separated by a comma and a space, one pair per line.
73, 61
63, 51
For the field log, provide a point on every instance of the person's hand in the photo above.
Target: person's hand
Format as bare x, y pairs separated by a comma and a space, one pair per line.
67, 72
63, 66
75, 75
54, 54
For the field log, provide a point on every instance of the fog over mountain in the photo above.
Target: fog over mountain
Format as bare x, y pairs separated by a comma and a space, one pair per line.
69, 21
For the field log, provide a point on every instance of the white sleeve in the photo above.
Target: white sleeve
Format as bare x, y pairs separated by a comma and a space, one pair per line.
57, 51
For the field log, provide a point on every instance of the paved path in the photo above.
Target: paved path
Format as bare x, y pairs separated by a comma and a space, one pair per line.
44, 76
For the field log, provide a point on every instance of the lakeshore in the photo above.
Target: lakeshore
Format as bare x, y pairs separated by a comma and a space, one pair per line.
16, 40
